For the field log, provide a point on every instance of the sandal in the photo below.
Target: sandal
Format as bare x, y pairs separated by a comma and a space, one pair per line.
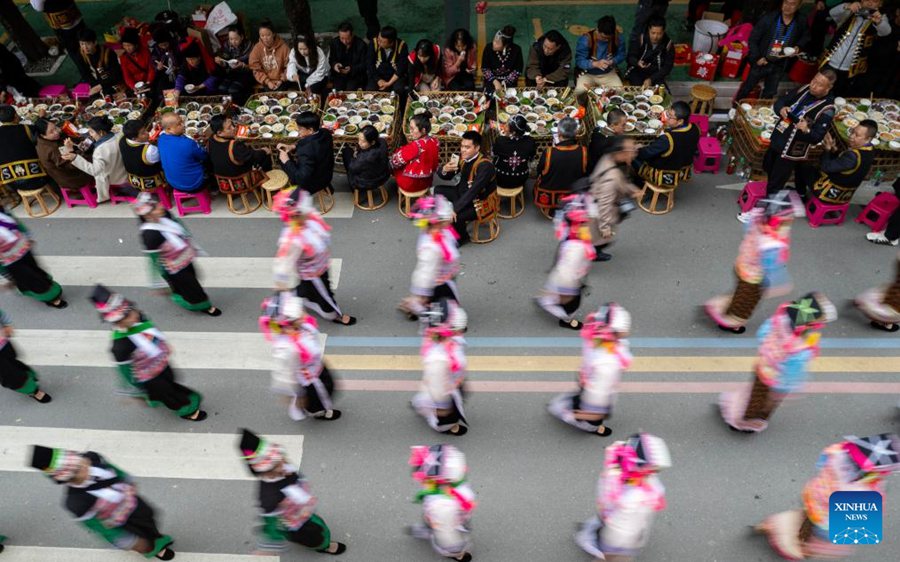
351, 320
571, 324
44, 399
213, 311
58, 304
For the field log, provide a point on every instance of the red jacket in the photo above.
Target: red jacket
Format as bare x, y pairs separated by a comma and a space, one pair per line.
414, 164
137, 67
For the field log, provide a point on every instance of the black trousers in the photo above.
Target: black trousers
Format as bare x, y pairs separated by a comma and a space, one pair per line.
464, 216
68, 39
779, 171
316, 403
770, 74
892, 232
345, 82
163, 388
13, 373
368, 9
462, 82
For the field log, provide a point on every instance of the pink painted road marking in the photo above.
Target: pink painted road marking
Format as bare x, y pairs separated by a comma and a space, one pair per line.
644, 387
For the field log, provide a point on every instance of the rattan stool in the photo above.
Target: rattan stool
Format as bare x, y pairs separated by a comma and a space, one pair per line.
277, 180
37, 196
487, 212
325, 197
371, 206
514, 194
702, 99
405, 200
655, 193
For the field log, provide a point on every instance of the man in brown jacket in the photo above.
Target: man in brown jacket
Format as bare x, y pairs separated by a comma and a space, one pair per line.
610, 186
549, 61
64, 173
269, 58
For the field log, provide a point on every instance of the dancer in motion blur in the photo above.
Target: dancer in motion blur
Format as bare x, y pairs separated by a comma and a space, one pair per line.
437, 256
105, 499
856, 464
14, 374
447, 500
440, 400
881, 305
629, 494
761, 265
300, 372
562, 292
788, 341
604, 355
18, 266
286, 503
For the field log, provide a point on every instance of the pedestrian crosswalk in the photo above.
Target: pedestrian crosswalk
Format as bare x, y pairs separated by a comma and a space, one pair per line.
49, 554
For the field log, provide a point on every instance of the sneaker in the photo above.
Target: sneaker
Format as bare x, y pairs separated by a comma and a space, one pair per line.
744, 217
880, 238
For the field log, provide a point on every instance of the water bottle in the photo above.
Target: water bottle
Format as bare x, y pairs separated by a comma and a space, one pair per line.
555, 132
876, 178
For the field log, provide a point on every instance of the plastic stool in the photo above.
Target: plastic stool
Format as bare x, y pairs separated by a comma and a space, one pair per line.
879, 210
702, 122
820, 213
82, 90
162, 194
753, 191
53, 91
202, 204
84, 195
115, 196
709, 158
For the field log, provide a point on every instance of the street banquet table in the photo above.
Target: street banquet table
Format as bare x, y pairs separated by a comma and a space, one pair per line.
452, 114
346, 113
886, 113
644, 108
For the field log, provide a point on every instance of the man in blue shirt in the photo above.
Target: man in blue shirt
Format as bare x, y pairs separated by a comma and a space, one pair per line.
597, 54
183, 160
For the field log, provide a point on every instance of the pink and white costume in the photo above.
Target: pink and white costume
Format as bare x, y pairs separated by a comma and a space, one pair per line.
629, 494
437, 256
881, 305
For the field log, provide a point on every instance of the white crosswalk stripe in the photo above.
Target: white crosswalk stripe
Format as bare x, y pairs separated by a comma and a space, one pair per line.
343, 209
134, 271
47, 554
149, 454
191, 350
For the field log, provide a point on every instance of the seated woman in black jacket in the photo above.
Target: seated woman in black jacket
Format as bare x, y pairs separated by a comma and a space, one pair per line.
513, 152
367, 165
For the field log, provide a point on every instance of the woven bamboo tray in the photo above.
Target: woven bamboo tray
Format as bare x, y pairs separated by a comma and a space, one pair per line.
342, 139
449, 144
887, 160
118, 120
218, 105
598, 108
28, 116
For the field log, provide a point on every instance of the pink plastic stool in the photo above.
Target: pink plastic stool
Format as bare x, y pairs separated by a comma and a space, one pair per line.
82, 90
753, 191
202, 204
163, 195
53, 91
115, 196
702, 122
84, 195
878, 211
819, 213
709, 158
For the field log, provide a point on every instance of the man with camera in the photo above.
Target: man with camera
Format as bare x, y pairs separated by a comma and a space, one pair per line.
806, 113
857, 25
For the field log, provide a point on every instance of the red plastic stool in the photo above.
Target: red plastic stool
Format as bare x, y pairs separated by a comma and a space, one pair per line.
879, 211
753, 191
115, 196
820, 213
53, 91
82, 90
709, 158
202, 204
702, 122
84, 195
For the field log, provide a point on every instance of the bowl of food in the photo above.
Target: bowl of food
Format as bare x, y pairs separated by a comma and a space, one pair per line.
629, 127
789, 51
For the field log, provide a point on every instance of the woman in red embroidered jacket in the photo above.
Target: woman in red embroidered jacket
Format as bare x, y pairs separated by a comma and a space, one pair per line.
168, 243
141, 353
415, 163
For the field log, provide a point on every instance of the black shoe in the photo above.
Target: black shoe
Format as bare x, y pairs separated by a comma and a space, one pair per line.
463, 241
885, 327
738, 330
571, 324
467, 557
1, 548
349, 322
200, 417
602, 256
213, 311
59, 305
328, 415
341, 548
462, 431
46, 399
166, 554
605, 430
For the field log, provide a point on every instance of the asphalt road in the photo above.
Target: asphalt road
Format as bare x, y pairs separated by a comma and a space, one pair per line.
534, 476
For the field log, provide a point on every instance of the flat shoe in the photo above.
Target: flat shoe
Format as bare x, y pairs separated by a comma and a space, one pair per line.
571, 324
46, 399
60, 305
349, 322
738, 330
213, 312
462, 431
166, 554
329, 415
341, 548
200, 417
885, 327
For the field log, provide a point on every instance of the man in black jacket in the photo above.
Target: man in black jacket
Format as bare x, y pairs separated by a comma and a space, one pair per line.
312, 166
651, 55
347, 59
772, 34
476, 180
604, 136
388, 62
231, 158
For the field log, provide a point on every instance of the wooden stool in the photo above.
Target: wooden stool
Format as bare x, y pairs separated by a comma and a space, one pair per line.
37, 196
371, 206
656, 192
245, 187
702, 97
487, 213
326, 199
275, 182
547, 200
9, 197
405, 200
513, 194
